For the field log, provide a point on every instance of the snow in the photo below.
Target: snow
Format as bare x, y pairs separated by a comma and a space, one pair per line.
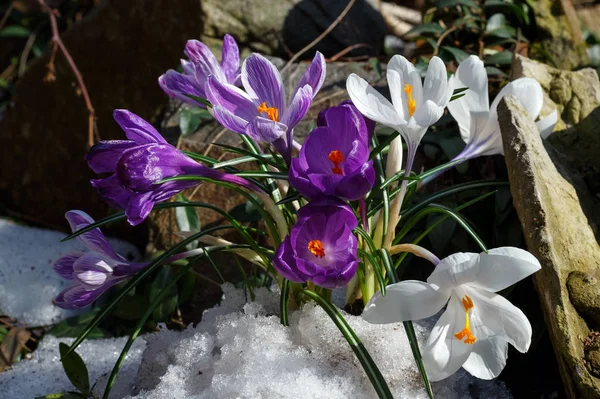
240, 350
27, 281
43, 374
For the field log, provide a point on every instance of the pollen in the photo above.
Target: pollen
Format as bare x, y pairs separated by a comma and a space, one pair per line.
272, 112
316, 248
337, 158
412, 103
466, 332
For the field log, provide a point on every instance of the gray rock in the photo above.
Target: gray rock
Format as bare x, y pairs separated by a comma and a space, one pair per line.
548, 197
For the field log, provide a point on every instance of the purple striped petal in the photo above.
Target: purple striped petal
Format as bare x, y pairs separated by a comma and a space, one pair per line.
139, 208
204, 61
229, 120
177, 85
136, 128
76, 296
314, 75
92, 269
64, 265
231, 98
298, 107
230, 59
103, 156
112, 191
265, 130
94, 240
78, 219
262, 81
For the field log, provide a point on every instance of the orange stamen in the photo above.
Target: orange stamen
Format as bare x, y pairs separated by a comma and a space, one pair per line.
337, 158
466, 332
412, 103
316, 248
272, 112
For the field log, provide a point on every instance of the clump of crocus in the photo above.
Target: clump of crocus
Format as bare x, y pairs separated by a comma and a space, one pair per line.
320, 247
261, 111
334, 160
477, 325
93, 272
202, 64
136, 167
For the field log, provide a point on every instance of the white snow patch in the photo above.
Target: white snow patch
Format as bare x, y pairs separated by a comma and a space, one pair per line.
43, 374
27, 281
240, 350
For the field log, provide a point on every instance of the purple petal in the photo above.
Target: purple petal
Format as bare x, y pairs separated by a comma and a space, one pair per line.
298, 108
230, 120
358, 185
136, 128
77, 218
265, 130
139, 208
204, 61
177, 86
112, 191
285, 263
92, 269
64, 265
314, 75
262, 81
230, 59
94, 240
76, 297
231, 98
103, 156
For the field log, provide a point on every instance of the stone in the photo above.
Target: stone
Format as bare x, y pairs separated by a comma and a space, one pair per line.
120, 48
584, 293
558, 37
547, 194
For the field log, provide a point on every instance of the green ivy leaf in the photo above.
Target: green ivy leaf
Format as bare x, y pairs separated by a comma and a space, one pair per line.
458, 54
425, 28
75, 369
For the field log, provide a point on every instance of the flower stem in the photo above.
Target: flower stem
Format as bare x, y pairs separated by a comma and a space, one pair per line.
415, 250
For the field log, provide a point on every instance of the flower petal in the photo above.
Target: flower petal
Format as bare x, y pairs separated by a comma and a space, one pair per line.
403, 72
229, 120
444, 354
529, 93
92, 269
494, 316
231, 98
503, 267
547, 124
435, 86
177, 85
204, 61
136, 128
111, 191
265, 130
427, 114
298, 107
94, 240
455, 270
314, 75
262, 81
372, 104
404, 301
487, 359
104, 155
64, 265
230, 58
394, 159
139, 207
77, 296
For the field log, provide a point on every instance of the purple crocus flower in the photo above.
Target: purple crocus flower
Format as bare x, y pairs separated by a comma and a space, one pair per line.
93, 272
138, 164
261, 111
334, 160
321, 247
202, 64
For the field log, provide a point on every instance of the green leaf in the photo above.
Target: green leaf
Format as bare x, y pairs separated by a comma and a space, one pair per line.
452, 3
500, 58
493, 71
63, 395
284, 302
458, 54
187, 219
414, 346
165, 308
507, 32
440, 237
190, 119
15, 31
73, 326
199, 99
425, 28
75, 368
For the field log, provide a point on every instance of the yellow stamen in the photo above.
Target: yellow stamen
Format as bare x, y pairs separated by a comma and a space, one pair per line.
316, 248
466, 332
272, 112
337, 158
412, 103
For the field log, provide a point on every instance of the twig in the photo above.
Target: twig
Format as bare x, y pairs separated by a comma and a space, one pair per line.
441, 39
320, 37
6, 15
347, 50
58, 43
25, 53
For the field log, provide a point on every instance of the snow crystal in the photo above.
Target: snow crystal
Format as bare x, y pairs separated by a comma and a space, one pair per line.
241, 350
43, 374
27, 281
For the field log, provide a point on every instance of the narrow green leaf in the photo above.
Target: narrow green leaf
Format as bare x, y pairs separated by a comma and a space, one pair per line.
284, 300
63, 395
187, 219
292, 196
388, 265
414, 346
237, 161
260, 158
376, 268
379, 148
165, 308
75, 368
15, 31
363, 356
199, 99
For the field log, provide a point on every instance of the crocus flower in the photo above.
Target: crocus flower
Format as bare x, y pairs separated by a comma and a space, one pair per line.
477, 325
93, 272
334, 159
321, 247
202, 64
478, 122
261, 111
136, 166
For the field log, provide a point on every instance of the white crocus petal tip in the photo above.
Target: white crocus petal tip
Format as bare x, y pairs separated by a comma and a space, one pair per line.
547, 124
487, 359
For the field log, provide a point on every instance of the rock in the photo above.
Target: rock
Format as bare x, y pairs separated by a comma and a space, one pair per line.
584, 293
548, 196
282, 27
558, 37
120, 48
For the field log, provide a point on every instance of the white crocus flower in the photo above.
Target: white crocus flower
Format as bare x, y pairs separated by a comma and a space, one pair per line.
478, 122
477, 326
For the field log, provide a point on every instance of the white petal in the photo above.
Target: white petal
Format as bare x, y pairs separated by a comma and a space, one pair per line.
547, 124
470, 73
444, 354
435, 87
394, 158
455, 270
494, 316
409, 75
529, 93
503, 267
427, 114
371, 103
485, 137
487, 359
407, 300
394, 79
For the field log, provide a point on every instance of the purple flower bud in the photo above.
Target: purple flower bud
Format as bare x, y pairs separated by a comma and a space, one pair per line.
93, 272
202, 64
334, 160
321, 246
138, 164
